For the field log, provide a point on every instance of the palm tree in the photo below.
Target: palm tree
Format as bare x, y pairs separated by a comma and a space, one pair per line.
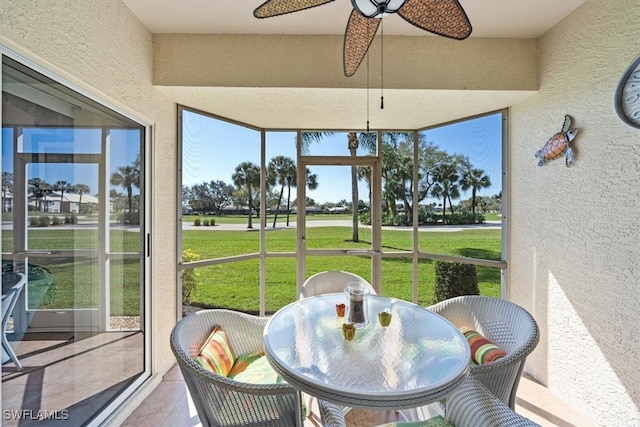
279, 170
474, 179
7, 184
39, 189
80, 189
247, 175
311, 181
366, 174
62, 186
368, 141
127, 177
445, 186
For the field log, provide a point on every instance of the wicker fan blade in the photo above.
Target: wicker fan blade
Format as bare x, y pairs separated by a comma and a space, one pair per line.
443, 17
279, 7
357, 39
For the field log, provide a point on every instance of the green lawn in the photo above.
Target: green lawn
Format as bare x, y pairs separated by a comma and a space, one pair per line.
236, 285
74, 278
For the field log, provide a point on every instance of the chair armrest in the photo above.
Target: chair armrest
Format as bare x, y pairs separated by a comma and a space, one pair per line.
473, 405
332, 415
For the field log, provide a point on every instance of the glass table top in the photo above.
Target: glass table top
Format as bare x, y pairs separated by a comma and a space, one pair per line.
419, 358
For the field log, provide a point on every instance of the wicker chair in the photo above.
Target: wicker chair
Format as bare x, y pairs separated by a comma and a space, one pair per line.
221, 401
327, 282
504, 323
469, 405
12, 285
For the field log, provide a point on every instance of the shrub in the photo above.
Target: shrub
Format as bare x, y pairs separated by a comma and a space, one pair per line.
365, 218
190, 278
56, 221
71, 219
454, 279
44, 221
132, 218
196, 222
213, 221
205, 222
428, 217
33, 221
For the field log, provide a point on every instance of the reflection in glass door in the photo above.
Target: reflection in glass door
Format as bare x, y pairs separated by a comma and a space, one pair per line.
74, 223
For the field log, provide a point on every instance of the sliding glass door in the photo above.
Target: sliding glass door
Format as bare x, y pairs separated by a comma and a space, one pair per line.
73, 220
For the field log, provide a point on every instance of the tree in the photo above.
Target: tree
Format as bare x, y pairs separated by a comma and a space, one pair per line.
429, 157
445, 185
281, 170
80, 189
213, 196
7, 185
247, 177
117, 199
62, 186
397, 172
354, 140
398, 181
366, 174
474, 179
39, 189
221, 195
127, 177
312, 184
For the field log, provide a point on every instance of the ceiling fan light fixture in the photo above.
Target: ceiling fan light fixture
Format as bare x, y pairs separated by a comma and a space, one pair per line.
377, 8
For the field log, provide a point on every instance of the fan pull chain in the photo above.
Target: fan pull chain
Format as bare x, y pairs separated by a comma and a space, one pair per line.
382, 63
367, 91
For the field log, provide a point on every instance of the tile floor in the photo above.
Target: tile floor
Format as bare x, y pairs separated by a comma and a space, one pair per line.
71, 372
170, 405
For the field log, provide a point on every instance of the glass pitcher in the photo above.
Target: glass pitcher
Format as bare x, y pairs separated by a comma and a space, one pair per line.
357, 304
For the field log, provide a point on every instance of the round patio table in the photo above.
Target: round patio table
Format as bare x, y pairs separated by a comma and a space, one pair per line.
419, 358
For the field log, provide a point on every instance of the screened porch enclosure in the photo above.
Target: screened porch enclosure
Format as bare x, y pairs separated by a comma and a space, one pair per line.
421, 196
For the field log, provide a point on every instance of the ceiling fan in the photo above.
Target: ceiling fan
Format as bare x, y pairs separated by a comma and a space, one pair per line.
442, 17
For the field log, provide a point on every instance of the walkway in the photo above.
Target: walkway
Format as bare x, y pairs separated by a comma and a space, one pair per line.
490, 225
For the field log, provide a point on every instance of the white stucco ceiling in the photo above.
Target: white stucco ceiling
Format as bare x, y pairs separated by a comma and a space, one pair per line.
489, 18
290, 107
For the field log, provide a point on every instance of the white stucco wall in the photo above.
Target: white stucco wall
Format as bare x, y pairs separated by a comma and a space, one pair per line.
574, 258
103, 48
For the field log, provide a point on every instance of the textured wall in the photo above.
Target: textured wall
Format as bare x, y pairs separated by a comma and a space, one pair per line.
574, 257
103, 48
235, 60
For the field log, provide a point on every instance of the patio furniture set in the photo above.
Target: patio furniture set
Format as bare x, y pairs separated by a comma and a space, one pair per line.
246, 370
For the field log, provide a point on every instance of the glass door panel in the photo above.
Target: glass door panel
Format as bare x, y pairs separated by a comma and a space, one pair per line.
49, 278
60, 224
77, 327
124, 294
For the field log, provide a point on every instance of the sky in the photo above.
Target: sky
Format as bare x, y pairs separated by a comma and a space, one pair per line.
124, 146
213, 148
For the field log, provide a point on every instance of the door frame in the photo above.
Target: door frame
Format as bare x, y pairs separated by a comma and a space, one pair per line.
375, 210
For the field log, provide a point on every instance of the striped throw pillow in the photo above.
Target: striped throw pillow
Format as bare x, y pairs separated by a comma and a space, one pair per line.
216, 355
482, 350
